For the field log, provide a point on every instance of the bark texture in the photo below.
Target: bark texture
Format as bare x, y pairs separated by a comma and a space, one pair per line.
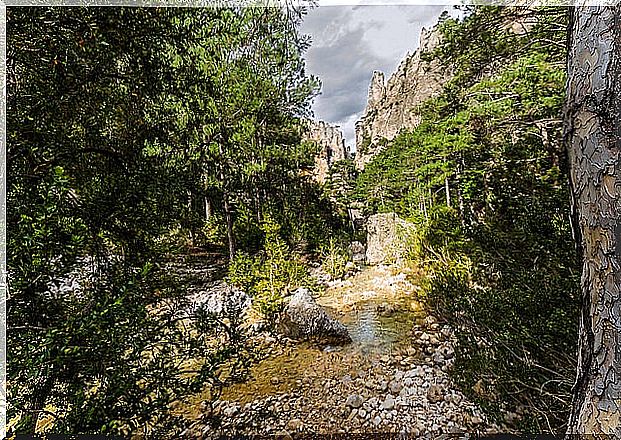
592, 116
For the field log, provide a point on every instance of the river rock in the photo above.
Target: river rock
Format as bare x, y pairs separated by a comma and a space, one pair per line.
388, 403
294, 425
283, 435
434, 394
303, 318
354, 401
231, 410
395, 386
438, 359
370, 404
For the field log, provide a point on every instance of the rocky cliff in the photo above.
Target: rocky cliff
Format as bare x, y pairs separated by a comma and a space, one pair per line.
390, 104
331, 147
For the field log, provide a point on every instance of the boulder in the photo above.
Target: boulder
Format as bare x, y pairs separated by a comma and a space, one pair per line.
218, 298
303, 318
387, 237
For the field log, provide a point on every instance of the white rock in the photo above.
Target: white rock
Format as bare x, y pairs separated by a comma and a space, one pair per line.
388, 403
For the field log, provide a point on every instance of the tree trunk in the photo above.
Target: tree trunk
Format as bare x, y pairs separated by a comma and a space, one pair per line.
229, 227
228, 215
208, 209
593, 138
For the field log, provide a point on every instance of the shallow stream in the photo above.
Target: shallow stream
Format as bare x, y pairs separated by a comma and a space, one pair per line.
379, 309
372, 331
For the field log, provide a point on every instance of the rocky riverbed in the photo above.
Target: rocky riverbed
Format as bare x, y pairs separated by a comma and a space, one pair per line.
392, 378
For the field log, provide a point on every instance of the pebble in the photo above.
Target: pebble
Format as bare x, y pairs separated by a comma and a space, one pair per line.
434, 394
388, 403
283, 435
294, 425
354, 401
395, 386
230, 411
383, 385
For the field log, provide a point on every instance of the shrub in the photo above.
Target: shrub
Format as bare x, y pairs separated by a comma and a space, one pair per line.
334, 259
270, 275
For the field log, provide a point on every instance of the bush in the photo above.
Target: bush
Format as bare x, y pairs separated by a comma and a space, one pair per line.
516, 324
271, 275
334, 258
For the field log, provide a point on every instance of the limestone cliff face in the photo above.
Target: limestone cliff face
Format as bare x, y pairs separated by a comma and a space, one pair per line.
331, 147
390, 104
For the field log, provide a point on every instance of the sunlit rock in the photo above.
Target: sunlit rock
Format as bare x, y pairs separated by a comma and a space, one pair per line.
303, 318
387, 237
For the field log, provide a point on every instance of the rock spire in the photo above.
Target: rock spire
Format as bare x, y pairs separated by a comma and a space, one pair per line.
391, 104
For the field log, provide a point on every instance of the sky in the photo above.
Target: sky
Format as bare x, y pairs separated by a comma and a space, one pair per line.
349, 43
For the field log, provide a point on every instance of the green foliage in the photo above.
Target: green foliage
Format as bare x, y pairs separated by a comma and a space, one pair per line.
334, 258
271, 275
120, 351
118, 146
364, 146
483, 177
340, 183
240, 111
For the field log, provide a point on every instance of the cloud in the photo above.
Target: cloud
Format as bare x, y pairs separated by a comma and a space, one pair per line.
349, 43
345, 68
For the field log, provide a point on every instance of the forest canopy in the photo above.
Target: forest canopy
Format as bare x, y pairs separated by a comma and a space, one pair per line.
131, 131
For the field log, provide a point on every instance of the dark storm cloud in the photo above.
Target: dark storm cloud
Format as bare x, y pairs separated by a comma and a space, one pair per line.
345, 69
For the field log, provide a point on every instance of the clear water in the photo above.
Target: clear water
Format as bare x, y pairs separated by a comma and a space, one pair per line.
373, 333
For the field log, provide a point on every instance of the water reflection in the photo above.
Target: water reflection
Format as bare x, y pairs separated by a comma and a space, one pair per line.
373, 333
